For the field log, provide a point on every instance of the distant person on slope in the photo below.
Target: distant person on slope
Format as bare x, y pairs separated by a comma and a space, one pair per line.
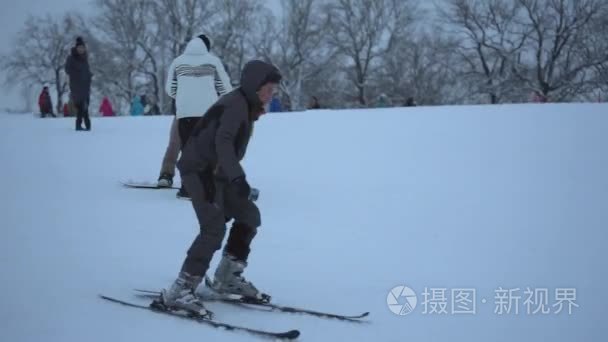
137, 108
45, 103
106, 107
275, 105
77, 68
210, 167
195, 79
314, 103
410, 102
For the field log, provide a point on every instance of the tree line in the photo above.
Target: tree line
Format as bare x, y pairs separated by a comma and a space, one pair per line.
347, 53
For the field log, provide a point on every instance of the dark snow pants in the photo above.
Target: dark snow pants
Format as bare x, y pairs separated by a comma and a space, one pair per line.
185, 126
215, 201
82, 113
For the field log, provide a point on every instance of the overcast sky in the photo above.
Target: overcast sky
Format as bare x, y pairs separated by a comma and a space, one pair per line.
14, 14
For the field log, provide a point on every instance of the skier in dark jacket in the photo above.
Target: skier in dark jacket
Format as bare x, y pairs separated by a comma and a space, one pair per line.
211, 171
77, 68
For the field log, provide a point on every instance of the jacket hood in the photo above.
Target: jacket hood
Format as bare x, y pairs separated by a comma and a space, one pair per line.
255, 74
196, 47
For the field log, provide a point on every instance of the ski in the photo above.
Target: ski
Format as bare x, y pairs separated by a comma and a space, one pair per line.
248, 303
147, 185
287, 335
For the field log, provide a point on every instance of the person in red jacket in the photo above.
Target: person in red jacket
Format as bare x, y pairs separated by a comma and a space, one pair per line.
45, 103
66, 110
106, 107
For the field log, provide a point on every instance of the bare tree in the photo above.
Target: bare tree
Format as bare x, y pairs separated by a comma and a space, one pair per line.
329, 85
40, 54
421, 67
27, 96
128, 65
596, 47
180, 20
561, 60
363, 30
175, 23
231, 28
490, 39
297, 46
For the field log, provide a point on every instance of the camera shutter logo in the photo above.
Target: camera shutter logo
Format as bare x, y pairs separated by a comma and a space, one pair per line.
401, 300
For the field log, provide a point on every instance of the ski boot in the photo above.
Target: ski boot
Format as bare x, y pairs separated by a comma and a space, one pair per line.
165, 180
228, 281
181, 296
183, 194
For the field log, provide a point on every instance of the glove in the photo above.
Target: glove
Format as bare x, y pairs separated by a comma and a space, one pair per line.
255, 193
242, 187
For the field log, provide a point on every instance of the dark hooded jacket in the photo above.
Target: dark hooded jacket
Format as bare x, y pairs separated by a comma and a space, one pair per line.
219, 141
79, 73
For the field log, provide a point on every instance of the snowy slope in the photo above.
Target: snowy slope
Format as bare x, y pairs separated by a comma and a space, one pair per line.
354, 203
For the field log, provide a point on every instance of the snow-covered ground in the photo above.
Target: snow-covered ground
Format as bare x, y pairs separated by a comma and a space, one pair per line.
354, 203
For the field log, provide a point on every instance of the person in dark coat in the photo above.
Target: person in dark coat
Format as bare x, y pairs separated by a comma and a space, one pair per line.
151, 107
314, 103
410, 102
79, 73
211, 170
45, 103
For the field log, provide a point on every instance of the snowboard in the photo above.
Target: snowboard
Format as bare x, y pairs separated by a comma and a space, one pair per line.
146, 185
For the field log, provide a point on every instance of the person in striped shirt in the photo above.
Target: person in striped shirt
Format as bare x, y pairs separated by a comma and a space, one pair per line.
196, 79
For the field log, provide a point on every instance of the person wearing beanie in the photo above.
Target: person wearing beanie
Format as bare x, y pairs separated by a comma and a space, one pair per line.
210, 167
79, 76
196, 79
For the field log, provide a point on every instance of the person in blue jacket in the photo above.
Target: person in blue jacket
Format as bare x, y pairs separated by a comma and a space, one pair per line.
137, 108
275, 105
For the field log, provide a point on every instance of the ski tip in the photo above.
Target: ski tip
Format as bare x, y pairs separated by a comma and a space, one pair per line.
291, 334
357, 318
110, 299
